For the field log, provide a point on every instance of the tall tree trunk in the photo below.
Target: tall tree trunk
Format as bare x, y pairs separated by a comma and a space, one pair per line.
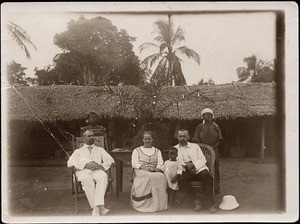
170, 75
87, 77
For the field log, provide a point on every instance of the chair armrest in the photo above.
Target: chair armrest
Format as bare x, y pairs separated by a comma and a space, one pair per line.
108, 172
209, 154
74, 174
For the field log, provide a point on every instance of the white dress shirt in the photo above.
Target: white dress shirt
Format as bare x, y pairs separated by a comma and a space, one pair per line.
149, 152
82, 156
191, 153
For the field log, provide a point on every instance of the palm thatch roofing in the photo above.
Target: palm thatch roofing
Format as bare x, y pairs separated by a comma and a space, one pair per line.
66, 103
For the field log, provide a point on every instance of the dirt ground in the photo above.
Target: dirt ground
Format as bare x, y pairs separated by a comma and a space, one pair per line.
39, 190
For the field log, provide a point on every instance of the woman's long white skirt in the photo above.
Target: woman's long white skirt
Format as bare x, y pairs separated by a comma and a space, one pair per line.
149, 191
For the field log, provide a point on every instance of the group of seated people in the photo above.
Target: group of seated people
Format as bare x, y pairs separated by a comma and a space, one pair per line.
155, 182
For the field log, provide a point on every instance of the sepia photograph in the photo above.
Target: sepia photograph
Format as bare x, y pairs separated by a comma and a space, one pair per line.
149, 112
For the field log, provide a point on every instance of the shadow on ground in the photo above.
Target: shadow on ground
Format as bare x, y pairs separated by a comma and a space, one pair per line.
46, 191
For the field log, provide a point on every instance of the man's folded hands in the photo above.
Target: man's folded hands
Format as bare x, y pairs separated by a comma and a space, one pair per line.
94, 166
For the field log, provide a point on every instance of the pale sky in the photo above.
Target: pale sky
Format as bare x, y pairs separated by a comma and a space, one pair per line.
222, 40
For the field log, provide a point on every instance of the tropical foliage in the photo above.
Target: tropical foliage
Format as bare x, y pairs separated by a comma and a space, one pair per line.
21, 37
257, 70
146, 103
94, 53
16, 75
168, 70
50, 75
208, 82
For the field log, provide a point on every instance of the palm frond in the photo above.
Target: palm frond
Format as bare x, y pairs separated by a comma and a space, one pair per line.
169, 69
27, 53
251, 58
163, 46
21, 44
178, 37
242, 74
189, 53
146, 45
164, 30
20, 36
177, 73
146, 72
160, 39
159, 75
151, 60
251, 62
162, 26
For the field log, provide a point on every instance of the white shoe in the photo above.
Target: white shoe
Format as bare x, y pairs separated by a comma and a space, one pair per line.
104, 211
95, 211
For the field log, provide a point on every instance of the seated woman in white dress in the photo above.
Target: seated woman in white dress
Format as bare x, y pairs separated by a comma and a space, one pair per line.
149, 189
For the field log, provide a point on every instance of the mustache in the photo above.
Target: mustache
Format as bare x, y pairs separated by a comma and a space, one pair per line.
91, 141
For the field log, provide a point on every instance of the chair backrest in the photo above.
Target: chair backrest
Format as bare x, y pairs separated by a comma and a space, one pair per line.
209, 154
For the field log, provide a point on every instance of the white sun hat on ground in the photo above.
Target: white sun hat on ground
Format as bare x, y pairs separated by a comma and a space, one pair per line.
229, 203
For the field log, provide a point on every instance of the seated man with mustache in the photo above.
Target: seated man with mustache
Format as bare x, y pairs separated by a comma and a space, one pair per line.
193, 162
91, 162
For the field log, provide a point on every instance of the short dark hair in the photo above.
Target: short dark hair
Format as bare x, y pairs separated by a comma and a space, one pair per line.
182, 130
172, 149
92, 113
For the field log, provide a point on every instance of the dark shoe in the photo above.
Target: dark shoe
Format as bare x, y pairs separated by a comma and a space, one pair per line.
212, 209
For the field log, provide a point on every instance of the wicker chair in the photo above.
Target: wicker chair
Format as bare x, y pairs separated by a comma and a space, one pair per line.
77, 190
209, 154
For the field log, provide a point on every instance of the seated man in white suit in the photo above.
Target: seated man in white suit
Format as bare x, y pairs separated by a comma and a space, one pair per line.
91, 162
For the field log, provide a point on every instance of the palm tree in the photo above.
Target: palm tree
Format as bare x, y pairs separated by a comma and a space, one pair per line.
20, 36
257, 70
168, 70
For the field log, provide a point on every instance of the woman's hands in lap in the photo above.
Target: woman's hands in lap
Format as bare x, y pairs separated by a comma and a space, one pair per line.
149, 169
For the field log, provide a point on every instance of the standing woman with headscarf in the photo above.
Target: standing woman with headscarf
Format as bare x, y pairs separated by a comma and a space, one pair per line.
209, 133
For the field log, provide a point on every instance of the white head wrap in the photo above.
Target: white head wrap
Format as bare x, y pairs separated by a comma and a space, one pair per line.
207, 110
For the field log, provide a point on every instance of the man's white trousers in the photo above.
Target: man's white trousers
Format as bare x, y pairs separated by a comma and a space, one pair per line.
94, 185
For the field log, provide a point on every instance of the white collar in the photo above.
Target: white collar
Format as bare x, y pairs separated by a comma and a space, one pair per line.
188, 145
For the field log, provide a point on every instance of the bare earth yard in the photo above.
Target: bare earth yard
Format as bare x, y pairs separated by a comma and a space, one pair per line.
46, 191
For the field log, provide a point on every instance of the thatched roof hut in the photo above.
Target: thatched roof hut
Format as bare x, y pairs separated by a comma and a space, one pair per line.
65, 103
